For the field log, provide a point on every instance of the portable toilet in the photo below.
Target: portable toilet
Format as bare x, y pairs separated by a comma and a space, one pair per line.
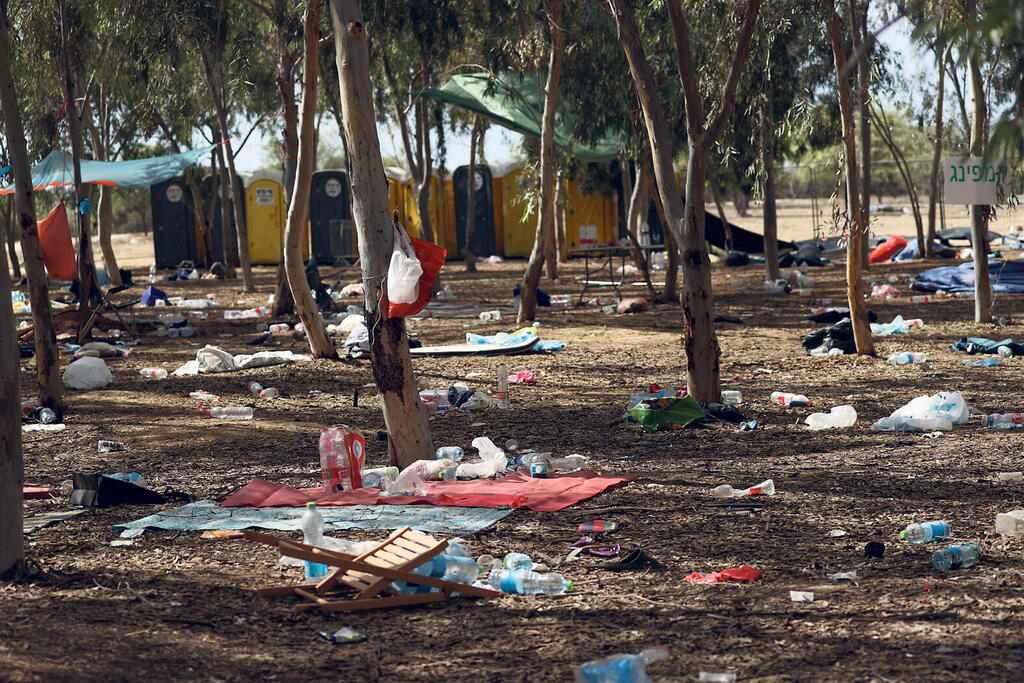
590, 219
519, 227
331, 228
441, 212
265, 216
483, 220
174, 239
397, 179
216, 227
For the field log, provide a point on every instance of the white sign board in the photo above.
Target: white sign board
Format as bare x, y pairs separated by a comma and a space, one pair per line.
332, 187
174, 193
265, 195
967, 181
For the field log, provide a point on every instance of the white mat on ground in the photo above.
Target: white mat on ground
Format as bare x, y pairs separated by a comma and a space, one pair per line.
213, 359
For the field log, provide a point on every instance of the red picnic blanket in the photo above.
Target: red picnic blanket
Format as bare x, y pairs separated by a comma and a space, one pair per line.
512, 490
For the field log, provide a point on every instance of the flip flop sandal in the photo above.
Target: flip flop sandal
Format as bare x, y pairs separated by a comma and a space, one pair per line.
634, 561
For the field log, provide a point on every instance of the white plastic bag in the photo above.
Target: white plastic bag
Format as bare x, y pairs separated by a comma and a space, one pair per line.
945, 404
404, 272
87, 373
492, 460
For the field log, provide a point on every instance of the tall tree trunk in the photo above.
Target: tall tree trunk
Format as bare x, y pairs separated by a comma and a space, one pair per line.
204, 221
423, 182
404, 415
227, 231
561, 236
726, 225
284, 304
639, 200
860, 38
671, 290
858, 227
47, 360
933, 183
105, 208
979, 212
470, 230
881, 122
87, 282
10, 239
543, 249
770, 221
232, 186
298, 214
12, 471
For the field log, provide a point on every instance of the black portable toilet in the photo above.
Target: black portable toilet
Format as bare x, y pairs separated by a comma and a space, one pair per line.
483, 225
331, 229
174, 236
217, 233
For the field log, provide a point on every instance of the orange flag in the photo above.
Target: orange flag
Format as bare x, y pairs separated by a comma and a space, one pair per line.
55, 239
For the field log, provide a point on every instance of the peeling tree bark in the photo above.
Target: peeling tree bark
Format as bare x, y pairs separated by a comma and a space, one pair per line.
858, 227
404, 414
771, 223
979, 213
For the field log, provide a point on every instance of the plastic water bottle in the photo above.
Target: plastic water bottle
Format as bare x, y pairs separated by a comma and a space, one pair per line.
527, 582
913, 424
840, 416
983, 363
459, 568
490, 315
503, 401
255, 388
569, 463
109, 446
228, 412
906, 357
926, 532
766, 487
1005, 351
732, 397
793, 400
517, 561
270, 393
312, 526
130, 477
1003, 421
153, 373
45, 416
451, 452
152, 274
620, 668
511, 445
1010, 523
205, 396
956, 556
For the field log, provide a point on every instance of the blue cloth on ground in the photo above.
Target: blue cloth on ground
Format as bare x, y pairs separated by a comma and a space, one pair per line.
1007, 277
974, 345
208, 514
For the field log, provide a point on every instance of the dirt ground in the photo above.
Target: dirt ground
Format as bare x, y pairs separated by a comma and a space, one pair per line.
173, 606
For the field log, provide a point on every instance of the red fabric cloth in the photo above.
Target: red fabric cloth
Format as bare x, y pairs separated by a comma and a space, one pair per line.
512, 490
744, 573
884, 252
431, 259
55, 240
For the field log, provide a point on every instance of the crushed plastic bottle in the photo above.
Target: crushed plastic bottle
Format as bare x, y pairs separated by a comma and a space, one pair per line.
378, 477
493, 461
783, 398
620, 668
983, 363
270, 393
454, 453
838, 417
1010, 523
906, 357
312, 526
766, 487
569, 463
109, 446
912, 424
732, 397
1003, 421
153, 373
926, 532
526, 582
503, 401
205, 396
517, 561
228, 412
956, 556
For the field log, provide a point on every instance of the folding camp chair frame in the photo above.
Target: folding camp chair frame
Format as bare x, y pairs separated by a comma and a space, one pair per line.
106, 304
369, 574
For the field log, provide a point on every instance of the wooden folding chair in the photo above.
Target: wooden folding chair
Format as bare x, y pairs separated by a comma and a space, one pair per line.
370, 573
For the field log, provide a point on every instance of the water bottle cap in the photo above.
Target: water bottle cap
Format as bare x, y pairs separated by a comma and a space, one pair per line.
569, 586
311, 504
903, 534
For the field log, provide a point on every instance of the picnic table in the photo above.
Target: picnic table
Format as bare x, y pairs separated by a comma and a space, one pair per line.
602, 257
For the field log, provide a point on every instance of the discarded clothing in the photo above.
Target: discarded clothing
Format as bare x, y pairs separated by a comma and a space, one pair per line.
834, 315
1006, 277
837, 336
805, 254
887, 249
973, 345
213, 359
740, 574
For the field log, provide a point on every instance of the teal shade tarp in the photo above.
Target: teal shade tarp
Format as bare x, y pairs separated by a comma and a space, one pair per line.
517, 102
5, 170
666, 413
56, 170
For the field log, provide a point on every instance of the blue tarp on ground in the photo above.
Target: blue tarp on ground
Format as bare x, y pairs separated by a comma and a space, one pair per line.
1007, 277
208, 514
56, 170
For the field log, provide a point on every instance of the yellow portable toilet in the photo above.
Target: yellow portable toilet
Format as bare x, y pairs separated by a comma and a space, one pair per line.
442, 212
518, 226
590, 219
265, 216
398, 178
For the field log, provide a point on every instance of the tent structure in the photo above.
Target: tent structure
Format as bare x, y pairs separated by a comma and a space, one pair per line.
515, 101
56, 170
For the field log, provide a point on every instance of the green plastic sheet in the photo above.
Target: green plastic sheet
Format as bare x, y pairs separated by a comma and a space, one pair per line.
666, 413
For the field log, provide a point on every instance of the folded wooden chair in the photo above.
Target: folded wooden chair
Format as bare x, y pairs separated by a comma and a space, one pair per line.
369, 574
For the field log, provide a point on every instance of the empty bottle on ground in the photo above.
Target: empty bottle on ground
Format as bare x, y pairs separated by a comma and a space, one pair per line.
228, 412
108, 446
766, 487
620, 668
1003, 421
793, 400
528, 582
451, 453
270, 393
732, 397
912, 424
926, 532
907, 357
956, 556
312, 525
502, 386
153, 373
517, 561
255, 388
1010, 523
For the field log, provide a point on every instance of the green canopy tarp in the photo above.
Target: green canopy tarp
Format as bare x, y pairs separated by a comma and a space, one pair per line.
516, 102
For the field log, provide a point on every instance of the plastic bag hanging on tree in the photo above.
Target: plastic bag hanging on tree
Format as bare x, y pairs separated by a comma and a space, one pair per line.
405, 270
431, 258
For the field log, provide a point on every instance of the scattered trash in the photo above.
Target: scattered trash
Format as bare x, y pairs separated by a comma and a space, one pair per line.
801, 596
205, 396
708, 677
635, 560
844, 576
766, 487
1010, 523
528, 582
906, 357
632, 305
874, 549
938, 412
739, 574
221, 534
792, 400
926, 532
956, 556
109, 446
897, 326
342, 635
342, 451
838, 417
669, 412
983, 363
1009, 476
87, 373
837, 533
599, 525
227, 412
522, 377
153, 373
732, 397
620, 668
748, 426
